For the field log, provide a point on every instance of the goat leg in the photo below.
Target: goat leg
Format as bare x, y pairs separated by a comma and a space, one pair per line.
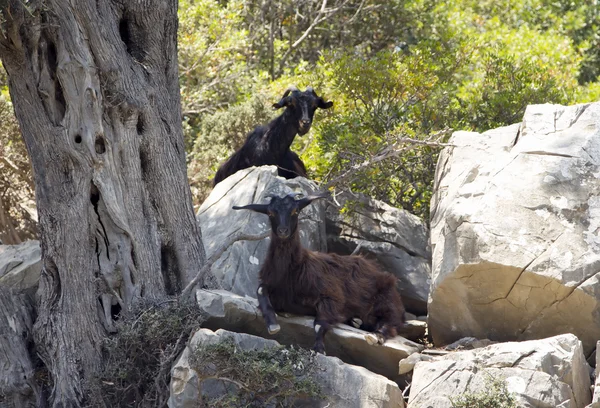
264, 304
321, 327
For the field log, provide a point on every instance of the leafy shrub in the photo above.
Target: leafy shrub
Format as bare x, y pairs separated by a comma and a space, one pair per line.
271, 377
138, 359
494, 395
18, 217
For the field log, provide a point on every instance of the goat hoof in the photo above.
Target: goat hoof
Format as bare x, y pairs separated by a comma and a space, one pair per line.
319, 349
371, 339
356, 322
273, 328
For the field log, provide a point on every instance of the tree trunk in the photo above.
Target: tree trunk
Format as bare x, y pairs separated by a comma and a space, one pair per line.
94, 85
17, 386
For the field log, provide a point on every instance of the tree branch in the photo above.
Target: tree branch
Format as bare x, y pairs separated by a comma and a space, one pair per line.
400, 145
321, 16
240, 236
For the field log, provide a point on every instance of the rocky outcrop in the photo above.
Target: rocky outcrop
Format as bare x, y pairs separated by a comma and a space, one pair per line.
237, 269
516, 230
20, 265
342, 385
236, 313
546, 373
398, 240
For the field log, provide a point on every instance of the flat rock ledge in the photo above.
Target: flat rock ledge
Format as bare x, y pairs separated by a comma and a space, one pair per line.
229, 311
20, 265
343, 385
547, 373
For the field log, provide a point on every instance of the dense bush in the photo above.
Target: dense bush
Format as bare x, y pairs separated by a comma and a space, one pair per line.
138, 359
276, 377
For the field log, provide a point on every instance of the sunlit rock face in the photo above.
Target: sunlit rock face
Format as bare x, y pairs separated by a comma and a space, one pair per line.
516, 230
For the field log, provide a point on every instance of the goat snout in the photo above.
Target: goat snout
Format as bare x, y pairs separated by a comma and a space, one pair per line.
305, 124
283, 232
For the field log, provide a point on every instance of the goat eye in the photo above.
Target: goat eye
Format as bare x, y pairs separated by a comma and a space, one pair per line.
294, 211
271, 214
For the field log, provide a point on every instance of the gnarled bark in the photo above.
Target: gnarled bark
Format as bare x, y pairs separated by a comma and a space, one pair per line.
95, 89
17, 386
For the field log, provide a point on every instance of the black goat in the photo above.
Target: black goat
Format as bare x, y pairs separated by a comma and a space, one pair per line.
270, 144
333, 288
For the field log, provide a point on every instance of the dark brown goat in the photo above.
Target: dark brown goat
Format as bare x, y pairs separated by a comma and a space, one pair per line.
270, 144
331, 287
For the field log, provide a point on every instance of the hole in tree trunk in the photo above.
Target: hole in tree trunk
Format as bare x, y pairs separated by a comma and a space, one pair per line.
167, 266
78, 138
131, 38
140, 124
99, 144
94, 195
143, 162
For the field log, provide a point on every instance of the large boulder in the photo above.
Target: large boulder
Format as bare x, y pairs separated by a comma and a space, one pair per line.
398, 240
20, 265
237, 269
343, 385
516, 230
225, 310
546, 373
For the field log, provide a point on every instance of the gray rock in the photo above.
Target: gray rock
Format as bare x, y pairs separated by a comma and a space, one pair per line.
237, 269
406, 365
596, 397
20, 265
344, 385
398, 240
515, 230
546, 373
241, 314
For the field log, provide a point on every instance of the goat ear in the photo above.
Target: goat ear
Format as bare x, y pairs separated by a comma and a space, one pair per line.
303, 202
260, 208
283, 102
324, 105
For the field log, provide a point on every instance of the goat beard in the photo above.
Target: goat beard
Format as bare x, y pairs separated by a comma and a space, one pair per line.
302, 131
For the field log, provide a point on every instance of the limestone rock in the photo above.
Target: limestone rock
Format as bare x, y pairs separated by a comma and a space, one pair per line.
20, 265
398, 240
546, 373
237, 269
406, 365
596, 396
241, 314
344, 385
516, 230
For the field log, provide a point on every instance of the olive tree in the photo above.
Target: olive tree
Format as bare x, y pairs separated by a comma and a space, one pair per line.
95, 90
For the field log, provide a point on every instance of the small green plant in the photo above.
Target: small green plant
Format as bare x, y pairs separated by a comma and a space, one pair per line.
274, 377
138, 358
494, 395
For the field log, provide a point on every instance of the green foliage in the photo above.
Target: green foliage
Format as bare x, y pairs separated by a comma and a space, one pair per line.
401, 74
270, 377
138, 359
494, 395
18, 217
219, 135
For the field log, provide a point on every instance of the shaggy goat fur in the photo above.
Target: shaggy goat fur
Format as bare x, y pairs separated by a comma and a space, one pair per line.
270, 144
333, 288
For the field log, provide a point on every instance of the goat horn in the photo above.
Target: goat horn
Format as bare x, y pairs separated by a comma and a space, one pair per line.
284, 101
261, 208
